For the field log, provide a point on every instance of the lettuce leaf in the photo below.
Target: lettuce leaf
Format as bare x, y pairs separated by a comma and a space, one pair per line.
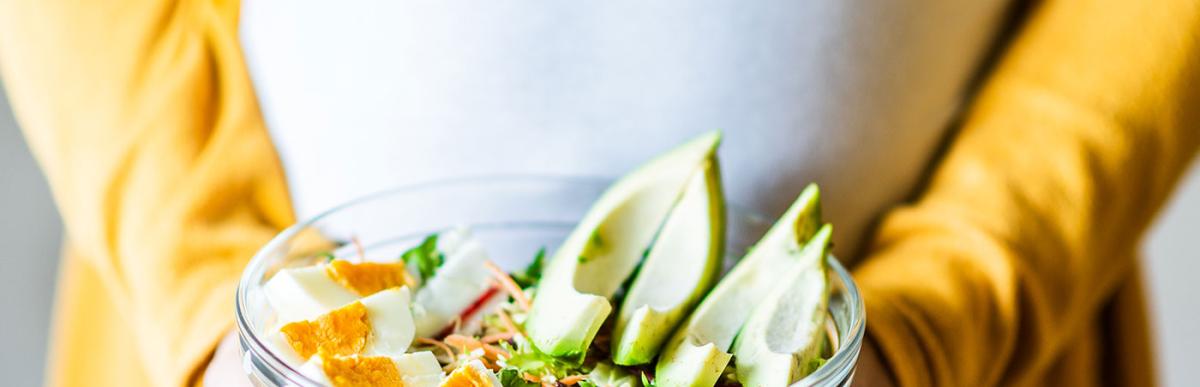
425, 257
526, 358
512, 377
532, 273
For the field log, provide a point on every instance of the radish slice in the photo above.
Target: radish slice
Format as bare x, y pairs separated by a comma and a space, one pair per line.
468, 316
460, 283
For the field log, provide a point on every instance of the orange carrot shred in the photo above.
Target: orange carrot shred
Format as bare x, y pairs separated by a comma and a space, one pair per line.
490, 364
466, 343
530, 378
508, 322
490, 339
495, 352
571, 380
509, 285
409, 280
439, 345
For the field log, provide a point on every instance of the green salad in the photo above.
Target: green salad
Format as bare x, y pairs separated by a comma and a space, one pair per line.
634, 296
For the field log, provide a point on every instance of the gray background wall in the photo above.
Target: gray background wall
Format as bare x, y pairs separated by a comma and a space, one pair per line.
30, 232
29, 242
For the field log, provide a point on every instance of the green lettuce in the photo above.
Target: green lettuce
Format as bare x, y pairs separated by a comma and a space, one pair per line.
532, 273
425, 257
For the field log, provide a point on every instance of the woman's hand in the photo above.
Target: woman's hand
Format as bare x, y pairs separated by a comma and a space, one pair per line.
225, 369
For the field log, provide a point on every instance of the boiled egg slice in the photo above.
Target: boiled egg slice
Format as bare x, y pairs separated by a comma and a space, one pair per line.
471, 374
379, 324
420, 369
307, 292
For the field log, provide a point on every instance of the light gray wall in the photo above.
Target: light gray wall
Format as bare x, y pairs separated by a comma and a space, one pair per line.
30, 232
1173, 260
29, 244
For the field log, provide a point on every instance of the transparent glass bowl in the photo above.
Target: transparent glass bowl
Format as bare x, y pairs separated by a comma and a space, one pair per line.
513, 216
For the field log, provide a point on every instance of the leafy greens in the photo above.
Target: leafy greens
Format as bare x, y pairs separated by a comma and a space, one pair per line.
425, 257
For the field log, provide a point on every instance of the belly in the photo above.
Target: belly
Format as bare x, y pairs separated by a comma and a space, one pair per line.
853, 95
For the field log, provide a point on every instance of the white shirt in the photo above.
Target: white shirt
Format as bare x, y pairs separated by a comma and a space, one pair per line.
852, 94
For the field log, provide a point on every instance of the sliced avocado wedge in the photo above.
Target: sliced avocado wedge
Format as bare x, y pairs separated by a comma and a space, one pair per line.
679, 269
786, 332
697, 353
604, 249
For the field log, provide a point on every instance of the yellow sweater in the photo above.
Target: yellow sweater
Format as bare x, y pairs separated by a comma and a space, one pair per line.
1016, 265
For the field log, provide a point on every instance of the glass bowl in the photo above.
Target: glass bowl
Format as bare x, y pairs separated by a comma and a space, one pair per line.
513, 217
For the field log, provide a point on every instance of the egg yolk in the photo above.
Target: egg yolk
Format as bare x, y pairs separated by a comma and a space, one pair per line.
467, 376
346, 371
367, 278
343, 331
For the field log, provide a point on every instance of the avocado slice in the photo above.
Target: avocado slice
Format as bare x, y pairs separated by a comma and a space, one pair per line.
604, 249
679, 269
697, 353
785, 333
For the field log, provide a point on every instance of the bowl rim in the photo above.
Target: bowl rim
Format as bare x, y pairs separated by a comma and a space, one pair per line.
840, 365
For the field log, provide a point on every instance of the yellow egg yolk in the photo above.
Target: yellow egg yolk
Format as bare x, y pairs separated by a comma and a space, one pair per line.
367, 278
343, 331
347, 371
467, 376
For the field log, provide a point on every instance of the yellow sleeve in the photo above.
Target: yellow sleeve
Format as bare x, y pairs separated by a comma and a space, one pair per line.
1031, 221
144, 121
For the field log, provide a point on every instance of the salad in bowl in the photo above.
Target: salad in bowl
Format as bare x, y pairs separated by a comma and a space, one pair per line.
633, 288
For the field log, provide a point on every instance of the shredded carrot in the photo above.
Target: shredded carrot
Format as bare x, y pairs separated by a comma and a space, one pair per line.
453, 365
489, 339
471, 343
571, 380
409, 280
490, 364
439, 345
495, 352
362, 253
530, 378
464, 342
455, 338
508, 322
509, 285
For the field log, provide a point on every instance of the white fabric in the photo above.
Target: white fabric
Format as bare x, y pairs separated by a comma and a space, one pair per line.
852, 94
